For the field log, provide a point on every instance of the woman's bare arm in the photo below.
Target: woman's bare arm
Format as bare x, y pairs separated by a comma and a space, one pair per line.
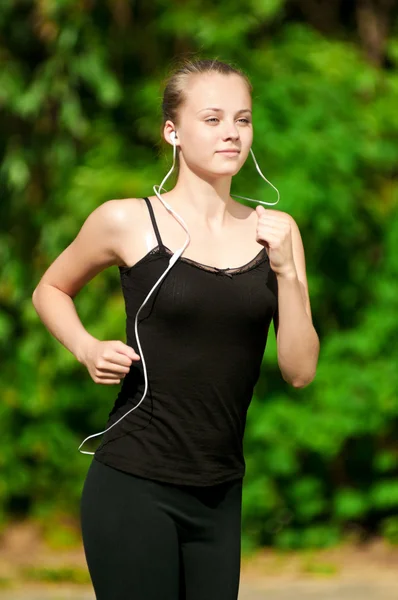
94, 249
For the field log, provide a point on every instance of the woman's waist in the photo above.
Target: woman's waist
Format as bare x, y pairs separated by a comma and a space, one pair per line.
201, 411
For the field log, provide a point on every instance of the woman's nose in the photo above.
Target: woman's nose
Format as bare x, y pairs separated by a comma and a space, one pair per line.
231, 132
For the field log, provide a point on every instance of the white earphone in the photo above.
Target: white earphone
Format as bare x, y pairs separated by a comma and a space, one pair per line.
172, 261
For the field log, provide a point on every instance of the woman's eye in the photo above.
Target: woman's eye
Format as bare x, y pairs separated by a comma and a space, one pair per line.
215, 119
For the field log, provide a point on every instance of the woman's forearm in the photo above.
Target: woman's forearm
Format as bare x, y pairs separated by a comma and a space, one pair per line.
58, 313
297, 341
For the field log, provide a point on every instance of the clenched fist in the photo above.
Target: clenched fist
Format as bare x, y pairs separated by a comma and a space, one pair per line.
108, 362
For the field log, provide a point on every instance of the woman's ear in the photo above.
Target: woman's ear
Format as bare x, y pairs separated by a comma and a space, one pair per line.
169, 132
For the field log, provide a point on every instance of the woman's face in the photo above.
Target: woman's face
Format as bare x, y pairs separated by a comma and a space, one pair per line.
216, 116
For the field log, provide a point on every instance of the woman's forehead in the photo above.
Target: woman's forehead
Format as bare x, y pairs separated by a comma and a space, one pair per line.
214, 90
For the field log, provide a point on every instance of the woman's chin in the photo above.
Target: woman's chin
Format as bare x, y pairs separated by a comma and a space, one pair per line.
219, 171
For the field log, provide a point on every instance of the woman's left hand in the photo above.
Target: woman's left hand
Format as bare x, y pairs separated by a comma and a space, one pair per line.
274, 232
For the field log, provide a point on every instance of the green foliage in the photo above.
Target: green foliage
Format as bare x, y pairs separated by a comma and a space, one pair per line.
57, 574
389, 529
319, 568
80, 92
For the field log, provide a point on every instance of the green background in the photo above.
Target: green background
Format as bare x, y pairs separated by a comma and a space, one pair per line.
80, 96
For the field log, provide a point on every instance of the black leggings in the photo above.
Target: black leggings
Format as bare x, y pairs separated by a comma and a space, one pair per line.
149, 540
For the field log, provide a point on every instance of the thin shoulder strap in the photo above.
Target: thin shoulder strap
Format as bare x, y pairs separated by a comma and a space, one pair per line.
155, 225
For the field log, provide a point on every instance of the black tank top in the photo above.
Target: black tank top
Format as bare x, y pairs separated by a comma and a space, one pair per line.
203, 333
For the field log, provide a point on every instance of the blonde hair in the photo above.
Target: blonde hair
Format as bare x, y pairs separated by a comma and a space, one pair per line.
176, 82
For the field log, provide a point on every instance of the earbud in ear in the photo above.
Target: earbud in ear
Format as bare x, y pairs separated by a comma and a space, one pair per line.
173, 136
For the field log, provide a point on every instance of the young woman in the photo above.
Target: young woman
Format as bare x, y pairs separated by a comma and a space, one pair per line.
161, 503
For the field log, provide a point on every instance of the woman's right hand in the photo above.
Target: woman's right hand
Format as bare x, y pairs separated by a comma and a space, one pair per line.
108, 362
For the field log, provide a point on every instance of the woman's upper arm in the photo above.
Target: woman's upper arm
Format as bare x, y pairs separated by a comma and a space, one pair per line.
93, 250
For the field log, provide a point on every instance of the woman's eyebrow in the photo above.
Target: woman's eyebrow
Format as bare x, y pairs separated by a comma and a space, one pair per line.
242, 110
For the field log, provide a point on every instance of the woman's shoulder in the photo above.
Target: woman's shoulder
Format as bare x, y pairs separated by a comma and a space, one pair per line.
121, 213
250, 211
120, 207
116, 220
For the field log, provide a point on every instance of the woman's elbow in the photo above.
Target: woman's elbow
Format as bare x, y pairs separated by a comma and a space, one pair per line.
302, 382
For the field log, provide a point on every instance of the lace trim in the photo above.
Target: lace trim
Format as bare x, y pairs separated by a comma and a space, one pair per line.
165, 251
